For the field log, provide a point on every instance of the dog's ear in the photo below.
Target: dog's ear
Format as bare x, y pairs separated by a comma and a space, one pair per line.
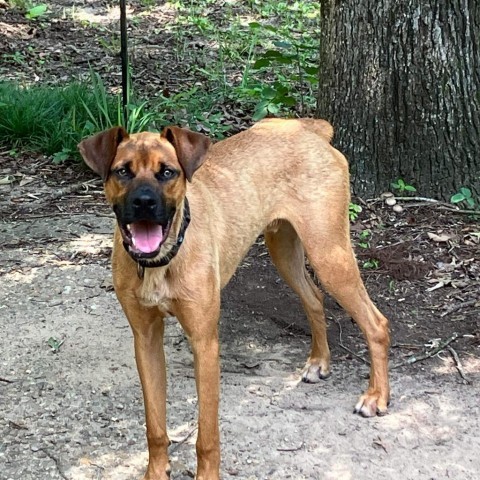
99, 151
191, 148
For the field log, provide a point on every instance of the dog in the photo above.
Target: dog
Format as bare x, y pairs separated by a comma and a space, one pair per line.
187, 212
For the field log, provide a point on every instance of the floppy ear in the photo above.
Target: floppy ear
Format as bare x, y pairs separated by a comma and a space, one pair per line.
191, 148
99, 151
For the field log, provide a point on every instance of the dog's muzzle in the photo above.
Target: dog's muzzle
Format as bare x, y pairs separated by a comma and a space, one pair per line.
144, 220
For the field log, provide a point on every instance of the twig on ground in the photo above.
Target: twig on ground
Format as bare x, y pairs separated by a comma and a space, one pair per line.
430, 353
458, 306
62, 192
6, 380
427, 201
183, 440
421, 199
290, 449
340, 343
459, 365
410, 346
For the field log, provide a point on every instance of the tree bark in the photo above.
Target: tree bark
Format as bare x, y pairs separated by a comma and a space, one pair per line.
400, 82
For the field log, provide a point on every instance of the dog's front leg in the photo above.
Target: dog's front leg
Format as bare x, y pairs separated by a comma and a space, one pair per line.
201, 326
148, 327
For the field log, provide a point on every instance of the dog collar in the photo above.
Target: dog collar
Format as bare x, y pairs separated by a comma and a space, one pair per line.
165, 260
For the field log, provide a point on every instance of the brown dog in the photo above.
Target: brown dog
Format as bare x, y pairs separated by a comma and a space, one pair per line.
282, 178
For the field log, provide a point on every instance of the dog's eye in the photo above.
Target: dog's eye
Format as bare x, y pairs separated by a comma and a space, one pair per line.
123, 172
166, 174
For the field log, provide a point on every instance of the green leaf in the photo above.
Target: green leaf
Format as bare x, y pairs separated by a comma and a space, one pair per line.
254, 25
312, 70
261, 62
272, 108
269, 93
285, 45
270, 28
285, 59
60, 157
272, 54
288, 101
260, 110
410, 188
458, 197
36, 11
467, 193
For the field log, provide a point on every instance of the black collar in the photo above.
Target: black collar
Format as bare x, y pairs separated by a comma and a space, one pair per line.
165, 260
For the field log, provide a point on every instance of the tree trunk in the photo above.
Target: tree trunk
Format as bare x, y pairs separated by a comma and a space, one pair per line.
400, 82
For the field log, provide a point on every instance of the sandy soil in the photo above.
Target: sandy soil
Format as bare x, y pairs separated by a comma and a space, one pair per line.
77, 413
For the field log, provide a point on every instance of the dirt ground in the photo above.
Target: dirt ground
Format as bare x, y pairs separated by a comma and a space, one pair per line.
70, 398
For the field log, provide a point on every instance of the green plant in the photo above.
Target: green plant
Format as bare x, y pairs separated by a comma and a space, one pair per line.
278, 50
353, 211
108, 111
194, 108
17, 57
50, 120
62, 156
364, 236
464, 195
36, 11
402, 187
55, 344
371, 263
292, 63
20, 4
110, 44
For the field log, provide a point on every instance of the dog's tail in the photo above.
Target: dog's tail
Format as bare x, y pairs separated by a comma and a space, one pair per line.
320, 127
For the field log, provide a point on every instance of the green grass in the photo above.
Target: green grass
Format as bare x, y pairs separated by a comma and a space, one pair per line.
53, 120
47, 119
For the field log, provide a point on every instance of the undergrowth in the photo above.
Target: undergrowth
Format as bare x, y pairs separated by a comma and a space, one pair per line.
261, 57
261, 61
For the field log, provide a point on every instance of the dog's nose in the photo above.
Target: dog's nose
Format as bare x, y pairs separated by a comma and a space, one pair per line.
144, 200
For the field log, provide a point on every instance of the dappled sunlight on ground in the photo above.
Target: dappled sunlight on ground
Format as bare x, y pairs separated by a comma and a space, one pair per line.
112, 466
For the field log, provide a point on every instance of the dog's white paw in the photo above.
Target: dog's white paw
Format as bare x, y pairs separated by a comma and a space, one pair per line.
314, 372
371, 404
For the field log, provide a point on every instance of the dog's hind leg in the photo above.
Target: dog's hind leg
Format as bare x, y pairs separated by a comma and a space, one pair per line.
331, 255
287, 254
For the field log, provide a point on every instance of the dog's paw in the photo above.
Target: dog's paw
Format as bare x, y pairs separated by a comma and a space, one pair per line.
371, 404
313, 372
159, 474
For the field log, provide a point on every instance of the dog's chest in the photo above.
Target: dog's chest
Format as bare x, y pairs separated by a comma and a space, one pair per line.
156, 290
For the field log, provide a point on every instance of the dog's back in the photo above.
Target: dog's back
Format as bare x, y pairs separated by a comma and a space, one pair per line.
320, 127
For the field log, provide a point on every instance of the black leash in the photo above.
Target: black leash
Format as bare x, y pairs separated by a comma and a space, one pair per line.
124, 55
165, 260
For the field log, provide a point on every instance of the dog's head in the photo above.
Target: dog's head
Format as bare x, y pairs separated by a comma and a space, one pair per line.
145, 177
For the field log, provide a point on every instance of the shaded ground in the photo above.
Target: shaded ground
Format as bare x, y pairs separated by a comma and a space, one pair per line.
78, 413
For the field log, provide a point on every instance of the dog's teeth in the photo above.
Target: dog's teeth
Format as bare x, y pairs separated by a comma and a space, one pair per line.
129, 227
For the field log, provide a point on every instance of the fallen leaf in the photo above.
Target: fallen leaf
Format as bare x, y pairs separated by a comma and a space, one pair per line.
445, 237
6, 180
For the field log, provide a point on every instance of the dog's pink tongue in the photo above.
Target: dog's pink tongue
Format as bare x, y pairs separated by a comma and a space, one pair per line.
146, 236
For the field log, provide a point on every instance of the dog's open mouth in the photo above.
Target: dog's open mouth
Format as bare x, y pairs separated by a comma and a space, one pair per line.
143, 239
